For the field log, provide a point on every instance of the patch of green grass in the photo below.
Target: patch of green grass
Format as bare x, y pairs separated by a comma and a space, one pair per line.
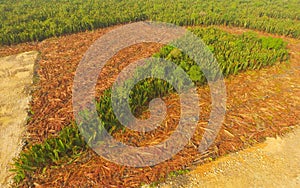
178, 172
69, 144
170, 175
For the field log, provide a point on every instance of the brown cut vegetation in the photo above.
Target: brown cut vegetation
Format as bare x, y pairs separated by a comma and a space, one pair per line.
260, 104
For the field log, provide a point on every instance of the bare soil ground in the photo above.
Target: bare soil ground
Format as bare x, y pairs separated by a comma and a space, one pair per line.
275, 163
260, 104
16, 74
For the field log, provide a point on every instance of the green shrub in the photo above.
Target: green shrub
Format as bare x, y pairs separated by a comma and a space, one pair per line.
53, 151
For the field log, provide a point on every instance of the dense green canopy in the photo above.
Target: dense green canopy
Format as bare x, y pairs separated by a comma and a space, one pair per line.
28, 20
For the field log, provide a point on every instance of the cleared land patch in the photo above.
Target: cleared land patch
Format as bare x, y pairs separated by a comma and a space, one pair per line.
16, 74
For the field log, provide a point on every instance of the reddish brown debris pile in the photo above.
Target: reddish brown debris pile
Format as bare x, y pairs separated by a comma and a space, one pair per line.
259, 104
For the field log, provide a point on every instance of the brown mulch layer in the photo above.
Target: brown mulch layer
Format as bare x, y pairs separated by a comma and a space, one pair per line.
259, 104
16, 49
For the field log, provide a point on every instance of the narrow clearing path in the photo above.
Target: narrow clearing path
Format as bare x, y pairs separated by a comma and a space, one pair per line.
15, 80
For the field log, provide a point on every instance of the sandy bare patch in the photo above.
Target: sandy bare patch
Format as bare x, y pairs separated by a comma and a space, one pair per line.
15, 80
275, 163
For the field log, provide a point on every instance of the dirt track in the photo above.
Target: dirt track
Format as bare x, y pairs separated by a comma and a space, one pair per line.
15, 79
275, 163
